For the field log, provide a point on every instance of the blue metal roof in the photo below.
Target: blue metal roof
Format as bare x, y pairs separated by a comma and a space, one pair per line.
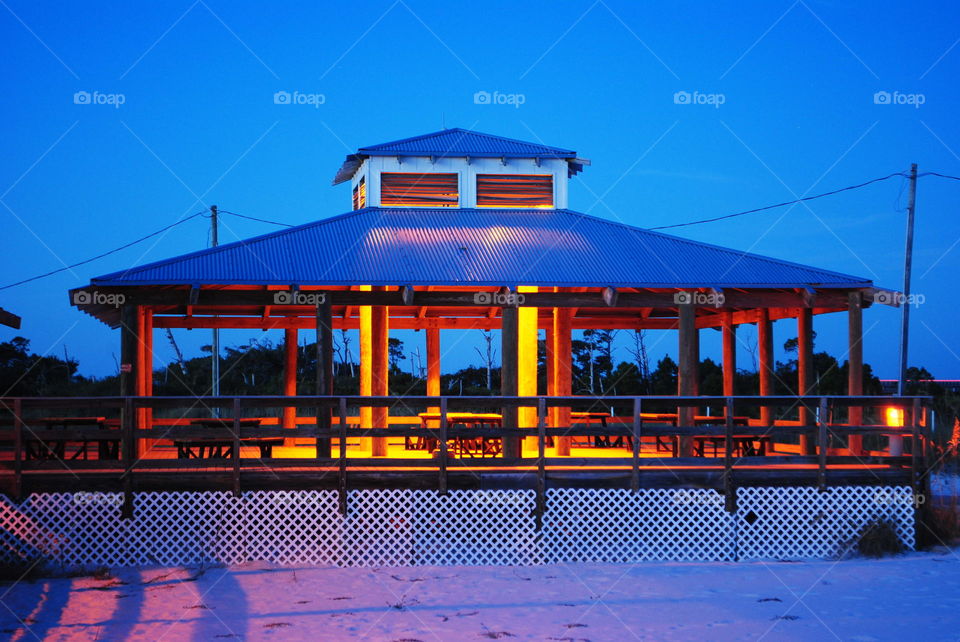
381, 246
456, 143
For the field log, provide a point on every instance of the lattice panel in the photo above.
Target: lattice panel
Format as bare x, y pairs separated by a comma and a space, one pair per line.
803, 522
413, 527
619, 526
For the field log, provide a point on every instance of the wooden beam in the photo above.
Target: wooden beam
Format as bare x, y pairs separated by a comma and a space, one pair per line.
366, 367
562, 371
9, 319
527, 358
324, 371
509, 340
380, 333
729, 340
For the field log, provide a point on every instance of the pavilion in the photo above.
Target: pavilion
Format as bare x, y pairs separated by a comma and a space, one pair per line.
458, 229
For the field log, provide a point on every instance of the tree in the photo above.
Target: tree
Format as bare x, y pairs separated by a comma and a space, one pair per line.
487, 356
663, 380
395, 353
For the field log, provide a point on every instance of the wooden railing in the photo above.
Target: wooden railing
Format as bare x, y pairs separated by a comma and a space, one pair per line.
126, 421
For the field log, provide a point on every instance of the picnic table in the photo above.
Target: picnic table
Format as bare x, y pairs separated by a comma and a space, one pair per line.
201, 447
481, 446
108, 446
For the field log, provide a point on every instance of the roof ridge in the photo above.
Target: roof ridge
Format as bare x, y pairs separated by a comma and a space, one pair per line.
471, 132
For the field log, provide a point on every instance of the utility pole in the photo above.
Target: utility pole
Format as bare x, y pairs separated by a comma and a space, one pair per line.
907, 268
215, 352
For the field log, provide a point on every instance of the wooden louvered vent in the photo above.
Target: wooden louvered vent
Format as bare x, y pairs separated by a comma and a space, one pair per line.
514, 190
418, 190
360, 195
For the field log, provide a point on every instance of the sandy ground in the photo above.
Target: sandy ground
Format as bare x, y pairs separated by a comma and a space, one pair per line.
912, 597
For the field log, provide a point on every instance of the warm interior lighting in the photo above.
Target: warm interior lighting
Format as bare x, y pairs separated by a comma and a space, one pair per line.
894, 417
418, 190
515, 190
360, 194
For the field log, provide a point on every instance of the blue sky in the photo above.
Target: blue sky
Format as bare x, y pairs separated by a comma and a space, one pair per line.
198, 125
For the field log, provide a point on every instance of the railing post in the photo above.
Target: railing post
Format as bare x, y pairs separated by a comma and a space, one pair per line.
18, 449
129, 440
729, 491
541, 464
822, 445
442, 467
342, 482
637, 428
915, 445
235, 451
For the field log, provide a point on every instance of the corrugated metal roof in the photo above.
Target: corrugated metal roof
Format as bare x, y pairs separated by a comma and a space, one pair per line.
463, 142
379, 246
457, 143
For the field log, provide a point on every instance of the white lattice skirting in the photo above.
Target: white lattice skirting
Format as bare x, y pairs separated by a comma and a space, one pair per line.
471, 527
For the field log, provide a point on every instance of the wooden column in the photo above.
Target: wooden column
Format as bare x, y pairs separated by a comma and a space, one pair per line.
147, 369
324, 372
855, 366
528, 334
687, 371
366, 366
508, 375
380, 333
290, 374
130, 317
433, 370
805, 374
765, 349
729, 340
562, 370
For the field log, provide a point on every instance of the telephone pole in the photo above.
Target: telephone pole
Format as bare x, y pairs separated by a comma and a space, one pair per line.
907, 268
215, 347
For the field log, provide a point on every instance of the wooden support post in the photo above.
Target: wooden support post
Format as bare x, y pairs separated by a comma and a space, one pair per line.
766, 365
823, 443
442, 464
729, 339
235, 451
687, 372
342, 481
324, 372
17, 449
541, 463
635, 444
366, 365
916, 446
805, 373
562, 354
855, 367
290, 375
148, 373
433, 369
129, 350
508, 377
140, 385
528, 335
729, 490
380, 331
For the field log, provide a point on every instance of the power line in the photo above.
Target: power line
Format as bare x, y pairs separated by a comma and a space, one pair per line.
956, 178
785, 203
100, 256
260, 220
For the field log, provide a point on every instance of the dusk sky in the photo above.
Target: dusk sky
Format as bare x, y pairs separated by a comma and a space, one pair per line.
783, 100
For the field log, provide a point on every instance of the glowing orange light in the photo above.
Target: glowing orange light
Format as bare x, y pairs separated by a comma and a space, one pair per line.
894, 417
